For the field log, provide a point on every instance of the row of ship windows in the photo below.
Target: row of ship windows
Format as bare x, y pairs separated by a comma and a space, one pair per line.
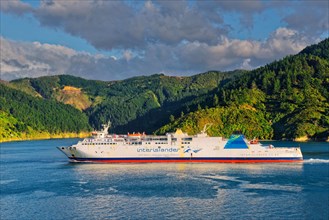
146, 143
110, 143
135, 139
249, 155
131, 143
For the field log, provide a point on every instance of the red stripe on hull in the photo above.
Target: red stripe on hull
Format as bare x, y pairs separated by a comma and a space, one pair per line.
191, 161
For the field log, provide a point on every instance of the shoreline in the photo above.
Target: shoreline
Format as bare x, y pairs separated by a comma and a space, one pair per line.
46, 136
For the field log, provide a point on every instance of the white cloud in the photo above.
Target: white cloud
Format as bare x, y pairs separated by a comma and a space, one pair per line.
56, 49
35, 59
285, 41
15, 6
246, 64
127, 54
111, 25
230, 53
117, 25
21, 59
310, 18
176, 37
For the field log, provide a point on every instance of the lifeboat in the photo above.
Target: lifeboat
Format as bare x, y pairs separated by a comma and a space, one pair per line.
254, 141
134, 134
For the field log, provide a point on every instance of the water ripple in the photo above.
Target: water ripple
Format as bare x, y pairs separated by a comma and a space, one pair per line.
311, 160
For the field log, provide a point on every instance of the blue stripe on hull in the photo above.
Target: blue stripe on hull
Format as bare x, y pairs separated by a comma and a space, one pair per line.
195, 159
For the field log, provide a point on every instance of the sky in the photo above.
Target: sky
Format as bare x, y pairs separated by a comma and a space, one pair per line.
115, 40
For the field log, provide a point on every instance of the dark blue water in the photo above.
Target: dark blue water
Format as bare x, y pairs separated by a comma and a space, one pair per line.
37, 182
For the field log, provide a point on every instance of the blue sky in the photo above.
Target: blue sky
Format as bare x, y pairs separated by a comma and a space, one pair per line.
27, 28
113, 40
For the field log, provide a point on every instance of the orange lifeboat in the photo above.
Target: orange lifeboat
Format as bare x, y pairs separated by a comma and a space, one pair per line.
254, 141
134, 134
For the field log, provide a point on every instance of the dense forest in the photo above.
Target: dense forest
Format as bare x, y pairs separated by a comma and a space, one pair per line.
286, 99
292, 95
128, 103
23, 114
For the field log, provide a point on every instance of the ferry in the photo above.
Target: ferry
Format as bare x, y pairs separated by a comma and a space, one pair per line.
177, 147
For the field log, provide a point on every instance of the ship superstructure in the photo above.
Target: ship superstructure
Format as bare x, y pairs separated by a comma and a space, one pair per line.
175, 147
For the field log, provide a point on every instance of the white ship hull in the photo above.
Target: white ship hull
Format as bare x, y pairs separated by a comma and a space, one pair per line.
176, 147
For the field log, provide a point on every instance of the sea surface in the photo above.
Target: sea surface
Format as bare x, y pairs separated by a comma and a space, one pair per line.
38, 182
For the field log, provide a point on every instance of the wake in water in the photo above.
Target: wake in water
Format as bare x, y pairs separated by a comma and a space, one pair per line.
311, 160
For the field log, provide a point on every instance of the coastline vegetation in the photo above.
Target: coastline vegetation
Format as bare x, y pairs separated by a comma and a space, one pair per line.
286, 99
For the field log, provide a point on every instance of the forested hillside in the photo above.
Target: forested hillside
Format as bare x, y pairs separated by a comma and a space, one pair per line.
25, 116
292, 95
222, 121
128, 103
145, 103
287, 99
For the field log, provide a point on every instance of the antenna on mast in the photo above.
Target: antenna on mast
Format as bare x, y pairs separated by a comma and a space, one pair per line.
106, 127
206, 127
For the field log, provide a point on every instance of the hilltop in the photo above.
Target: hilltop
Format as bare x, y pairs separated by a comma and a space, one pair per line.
286, 99
127, 103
